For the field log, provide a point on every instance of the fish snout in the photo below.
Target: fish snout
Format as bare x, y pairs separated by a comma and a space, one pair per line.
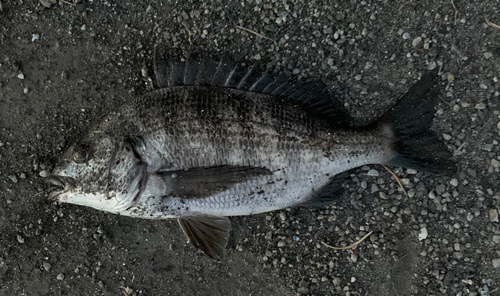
65, 183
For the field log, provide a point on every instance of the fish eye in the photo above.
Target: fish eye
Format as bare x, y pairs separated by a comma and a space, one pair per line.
82, 155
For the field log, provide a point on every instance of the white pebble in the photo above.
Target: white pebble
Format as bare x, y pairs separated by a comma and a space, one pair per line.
423, 234
373, 173
20, 76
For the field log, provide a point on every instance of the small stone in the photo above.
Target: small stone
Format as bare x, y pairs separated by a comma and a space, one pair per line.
480, 106
303, 283
282, 216
336, 281
20, 239
281, 244
423, 234
25, 90
303, 290
493, 215
20, 76
358, 77
257, 57
13, 179
498, 125
496, 263
368, 65
406, 35
296, 71
446, 137
44, 174
47, 266
373, 173
416, 41
432, 65
454, 182
488, 54
149, 9
22, 176
450, 77
60, 276
495, 163
46, 3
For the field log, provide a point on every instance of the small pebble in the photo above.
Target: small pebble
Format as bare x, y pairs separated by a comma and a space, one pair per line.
22, 176
373, 173
496, 263
44, 174
495, 163
450, 77
488, 54
493, 215
20, 76
454, 182
25, 90
60, 276
47, 266
336, 281
480, 106
406, 35
423, 234
358, 77
13, 179
20, 239
416, 41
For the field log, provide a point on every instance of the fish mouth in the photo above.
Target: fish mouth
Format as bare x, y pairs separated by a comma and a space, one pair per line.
66, 183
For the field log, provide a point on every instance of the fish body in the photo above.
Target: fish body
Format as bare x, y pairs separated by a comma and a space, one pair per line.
200, 152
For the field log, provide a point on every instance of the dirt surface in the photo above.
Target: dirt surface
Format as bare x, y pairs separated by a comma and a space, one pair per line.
62, 66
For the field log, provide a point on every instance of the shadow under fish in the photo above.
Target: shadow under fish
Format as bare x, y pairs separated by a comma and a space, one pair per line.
218, 139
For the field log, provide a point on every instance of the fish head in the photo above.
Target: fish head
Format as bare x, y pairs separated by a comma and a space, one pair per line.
100, 171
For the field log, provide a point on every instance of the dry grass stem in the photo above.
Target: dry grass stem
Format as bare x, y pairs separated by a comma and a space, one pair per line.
349, 247
253, 32
1, 9
397, 179
70, 3
456, 11
492, 24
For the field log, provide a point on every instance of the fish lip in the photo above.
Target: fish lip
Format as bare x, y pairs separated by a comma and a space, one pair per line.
67, 183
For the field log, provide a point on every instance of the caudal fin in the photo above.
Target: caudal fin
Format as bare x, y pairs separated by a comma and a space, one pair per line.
410, 120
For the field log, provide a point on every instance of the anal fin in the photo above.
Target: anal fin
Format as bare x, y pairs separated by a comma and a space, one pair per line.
328, 193
207, 233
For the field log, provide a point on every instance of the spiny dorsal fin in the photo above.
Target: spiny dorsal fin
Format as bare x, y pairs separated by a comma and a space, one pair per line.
207, 233
313, 98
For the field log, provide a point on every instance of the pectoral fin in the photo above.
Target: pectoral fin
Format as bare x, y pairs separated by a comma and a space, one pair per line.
206, 181
207, 233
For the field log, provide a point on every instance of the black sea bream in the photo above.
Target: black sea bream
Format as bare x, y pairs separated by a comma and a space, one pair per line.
217, 139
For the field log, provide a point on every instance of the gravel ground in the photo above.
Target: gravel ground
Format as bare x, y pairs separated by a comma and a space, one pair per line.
61, 65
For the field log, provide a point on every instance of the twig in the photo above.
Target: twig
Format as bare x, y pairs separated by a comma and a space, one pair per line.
1, 9
397, 179
492, 24
351, 246
72, 4
458, 152
456, 11
253, 32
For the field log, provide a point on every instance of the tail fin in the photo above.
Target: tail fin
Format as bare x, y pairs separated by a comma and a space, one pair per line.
410, 120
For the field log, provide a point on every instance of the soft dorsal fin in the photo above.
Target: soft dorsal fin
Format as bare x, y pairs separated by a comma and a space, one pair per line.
313, 98
201, 182
207, 233
328, 193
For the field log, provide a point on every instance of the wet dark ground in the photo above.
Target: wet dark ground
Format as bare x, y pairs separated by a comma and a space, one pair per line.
88, 58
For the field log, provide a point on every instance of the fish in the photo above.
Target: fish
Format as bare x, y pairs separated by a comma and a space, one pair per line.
218, 139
